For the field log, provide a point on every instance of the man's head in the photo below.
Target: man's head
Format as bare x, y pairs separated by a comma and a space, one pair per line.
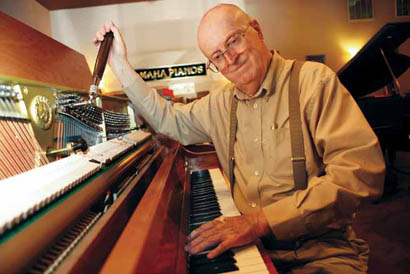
233, 42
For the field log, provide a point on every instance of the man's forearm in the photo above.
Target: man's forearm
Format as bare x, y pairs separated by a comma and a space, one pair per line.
124, 72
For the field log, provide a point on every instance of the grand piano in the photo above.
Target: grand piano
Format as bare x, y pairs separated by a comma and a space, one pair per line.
83, 188
378, 65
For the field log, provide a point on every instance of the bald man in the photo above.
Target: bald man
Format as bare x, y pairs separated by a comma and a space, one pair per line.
305, 231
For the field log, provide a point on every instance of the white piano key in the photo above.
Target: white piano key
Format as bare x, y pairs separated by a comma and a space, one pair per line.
228, 207
249, 260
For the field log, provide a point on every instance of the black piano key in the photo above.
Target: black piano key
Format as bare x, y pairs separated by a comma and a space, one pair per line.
220, 267
195, 260
209, 216
209, 208
204, 213
204, 199
206, 261
204, 208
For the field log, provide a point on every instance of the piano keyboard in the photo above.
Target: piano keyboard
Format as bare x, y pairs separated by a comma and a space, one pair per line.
211, 198
38, 187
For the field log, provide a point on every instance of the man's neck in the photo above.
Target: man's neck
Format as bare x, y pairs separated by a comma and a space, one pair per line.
253, 87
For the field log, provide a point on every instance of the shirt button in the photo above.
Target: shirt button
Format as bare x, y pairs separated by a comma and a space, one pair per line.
255, 105
253, 205
256, 139
256, 172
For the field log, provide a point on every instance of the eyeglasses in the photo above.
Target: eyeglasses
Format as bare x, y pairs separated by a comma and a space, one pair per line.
236, 44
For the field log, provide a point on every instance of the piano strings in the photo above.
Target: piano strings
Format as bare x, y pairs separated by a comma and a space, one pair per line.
19, 149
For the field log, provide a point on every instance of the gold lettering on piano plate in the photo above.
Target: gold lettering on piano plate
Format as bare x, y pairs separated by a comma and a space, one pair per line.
41, 112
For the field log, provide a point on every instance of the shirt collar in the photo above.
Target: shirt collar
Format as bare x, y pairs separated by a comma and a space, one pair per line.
267, 87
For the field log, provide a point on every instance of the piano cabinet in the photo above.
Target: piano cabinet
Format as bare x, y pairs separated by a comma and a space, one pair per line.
153, 240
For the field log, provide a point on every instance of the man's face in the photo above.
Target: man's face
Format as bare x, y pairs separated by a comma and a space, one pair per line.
243, 67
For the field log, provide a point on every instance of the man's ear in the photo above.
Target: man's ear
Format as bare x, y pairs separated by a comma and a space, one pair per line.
255, 25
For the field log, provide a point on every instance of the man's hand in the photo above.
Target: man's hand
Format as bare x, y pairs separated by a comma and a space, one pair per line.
227, 232
117, 58
118, 52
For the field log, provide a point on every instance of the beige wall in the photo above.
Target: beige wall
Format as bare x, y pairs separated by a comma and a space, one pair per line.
157, 33
298, 28
160, 33
29, 12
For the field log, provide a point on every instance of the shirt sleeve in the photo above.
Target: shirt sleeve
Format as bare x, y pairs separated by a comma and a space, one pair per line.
185, 123
353, 165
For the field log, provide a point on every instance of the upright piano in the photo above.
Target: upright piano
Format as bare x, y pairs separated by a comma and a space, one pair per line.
68, 181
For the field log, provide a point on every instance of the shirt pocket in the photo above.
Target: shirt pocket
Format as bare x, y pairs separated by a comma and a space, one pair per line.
279, 154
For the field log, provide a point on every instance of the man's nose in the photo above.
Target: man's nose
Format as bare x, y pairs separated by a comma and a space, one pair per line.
231, 56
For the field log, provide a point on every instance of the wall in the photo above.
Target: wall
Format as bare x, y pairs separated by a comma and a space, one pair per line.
160, 33
29, 12
299, 28
157, 33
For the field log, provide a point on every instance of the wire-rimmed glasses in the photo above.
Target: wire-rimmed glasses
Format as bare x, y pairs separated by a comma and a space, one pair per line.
236, 44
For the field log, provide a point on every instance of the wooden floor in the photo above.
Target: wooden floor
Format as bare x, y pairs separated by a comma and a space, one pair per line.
386, 227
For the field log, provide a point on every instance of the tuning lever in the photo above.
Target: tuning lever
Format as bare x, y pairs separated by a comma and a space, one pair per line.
101, 62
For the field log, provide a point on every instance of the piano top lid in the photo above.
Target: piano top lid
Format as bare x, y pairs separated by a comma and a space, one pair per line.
367, 71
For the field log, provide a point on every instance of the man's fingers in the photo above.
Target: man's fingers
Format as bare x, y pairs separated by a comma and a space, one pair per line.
99, 36
114, 29
221, 248
107, 26
209, 235
200, 230
205, 244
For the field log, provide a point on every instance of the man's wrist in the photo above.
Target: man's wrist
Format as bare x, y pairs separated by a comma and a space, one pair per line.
262, 227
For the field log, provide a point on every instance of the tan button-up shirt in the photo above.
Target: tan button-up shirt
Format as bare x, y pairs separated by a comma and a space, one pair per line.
343, 158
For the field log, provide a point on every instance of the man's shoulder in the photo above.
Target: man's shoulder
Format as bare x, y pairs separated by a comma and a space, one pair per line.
316, 69
313, 77
220, 97
223, 91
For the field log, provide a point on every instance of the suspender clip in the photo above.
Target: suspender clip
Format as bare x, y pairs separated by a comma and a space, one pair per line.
297, 159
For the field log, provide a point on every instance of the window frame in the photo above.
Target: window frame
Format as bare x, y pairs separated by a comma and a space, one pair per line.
396, 9
361, 19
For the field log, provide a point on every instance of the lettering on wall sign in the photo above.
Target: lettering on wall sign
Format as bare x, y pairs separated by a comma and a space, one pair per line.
150, 74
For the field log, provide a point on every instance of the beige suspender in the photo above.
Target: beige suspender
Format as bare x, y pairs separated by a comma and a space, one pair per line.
233, 122
298, 150
295, 125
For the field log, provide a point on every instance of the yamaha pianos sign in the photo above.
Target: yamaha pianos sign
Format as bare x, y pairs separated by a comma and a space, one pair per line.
151, 74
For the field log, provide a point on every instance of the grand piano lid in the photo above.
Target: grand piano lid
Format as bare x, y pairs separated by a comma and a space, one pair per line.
367, 71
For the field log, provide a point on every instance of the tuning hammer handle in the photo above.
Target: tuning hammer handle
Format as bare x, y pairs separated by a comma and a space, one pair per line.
102, 57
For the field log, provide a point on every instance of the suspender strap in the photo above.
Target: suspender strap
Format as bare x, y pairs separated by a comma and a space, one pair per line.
233, 122
295, 124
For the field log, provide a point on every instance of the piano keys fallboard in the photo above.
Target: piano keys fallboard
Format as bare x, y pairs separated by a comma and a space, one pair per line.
210, 198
